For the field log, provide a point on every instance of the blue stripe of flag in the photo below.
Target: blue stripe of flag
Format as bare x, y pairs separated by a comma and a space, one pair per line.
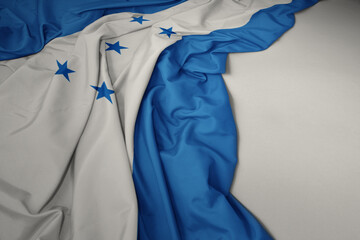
185, 135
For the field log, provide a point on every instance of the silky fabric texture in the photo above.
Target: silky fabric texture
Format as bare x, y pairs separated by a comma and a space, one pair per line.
145, 45
66, 146
185, 135
27, 25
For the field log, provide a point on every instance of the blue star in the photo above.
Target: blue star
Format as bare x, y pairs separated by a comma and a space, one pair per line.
103, 91
116, 47
168, 31
139, 19
64, 70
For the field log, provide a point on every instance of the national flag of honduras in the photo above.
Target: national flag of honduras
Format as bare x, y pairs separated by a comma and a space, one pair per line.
115, 122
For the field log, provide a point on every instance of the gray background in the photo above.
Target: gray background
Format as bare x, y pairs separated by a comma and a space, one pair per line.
297, 107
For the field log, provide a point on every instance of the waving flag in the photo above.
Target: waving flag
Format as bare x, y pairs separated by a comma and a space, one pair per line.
124, 130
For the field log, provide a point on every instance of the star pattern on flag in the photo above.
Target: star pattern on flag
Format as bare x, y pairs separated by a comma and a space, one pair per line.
168, 31
103, 91
116, 47
139, 19
63, 70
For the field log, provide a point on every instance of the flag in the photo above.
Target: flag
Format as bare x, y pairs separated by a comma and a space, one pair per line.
124, 130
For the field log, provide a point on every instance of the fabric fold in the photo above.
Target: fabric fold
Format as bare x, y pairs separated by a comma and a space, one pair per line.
68, 117
185, 135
